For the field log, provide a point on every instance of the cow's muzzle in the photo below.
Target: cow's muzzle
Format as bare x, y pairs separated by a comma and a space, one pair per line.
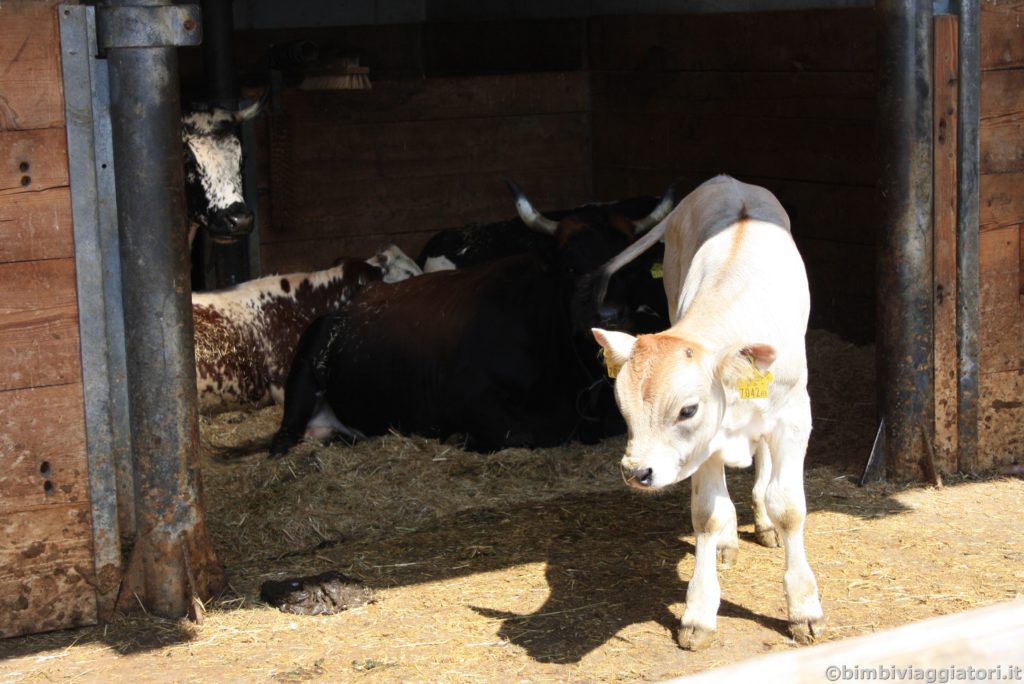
231, 224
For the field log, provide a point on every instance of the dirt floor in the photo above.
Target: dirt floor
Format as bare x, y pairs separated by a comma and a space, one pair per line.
538, 566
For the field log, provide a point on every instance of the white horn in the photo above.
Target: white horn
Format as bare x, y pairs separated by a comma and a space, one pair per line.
666, 205
252, 110
530, 216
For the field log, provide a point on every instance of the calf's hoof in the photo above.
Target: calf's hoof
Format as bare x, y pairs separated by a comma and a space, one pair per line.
727, 556
767, 536
807, 631
694, 637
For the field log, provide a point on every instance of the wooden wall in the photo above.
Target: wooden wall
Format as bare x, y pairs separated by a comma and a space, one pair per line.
1001, 338
45, 524
781, 99
351, 170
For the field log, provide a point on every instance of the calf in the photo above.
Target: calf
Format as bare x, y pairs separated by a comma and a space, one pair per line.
731, 373
245, 336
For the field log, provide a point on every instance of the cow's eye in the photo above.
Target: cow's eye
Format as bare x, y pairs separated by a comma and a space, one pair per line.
687, 412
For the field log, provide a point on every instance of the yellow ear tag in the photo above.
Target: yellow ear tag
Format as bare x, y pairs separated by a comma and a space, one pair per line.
613, 369
755, 385
657, 271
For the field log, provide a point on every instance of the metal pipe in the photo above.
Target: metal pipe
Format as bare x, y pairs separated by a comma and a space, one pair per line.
172, 558
904, 276
967, 231
230, 261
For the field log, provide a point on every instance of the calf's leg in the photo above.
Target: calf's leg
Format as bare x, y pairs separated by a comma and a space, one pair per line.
764, 531
787, 508
713, 513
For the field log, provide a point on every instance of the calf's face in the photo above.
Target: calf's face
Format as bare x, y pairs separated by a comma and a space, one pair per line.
675, 395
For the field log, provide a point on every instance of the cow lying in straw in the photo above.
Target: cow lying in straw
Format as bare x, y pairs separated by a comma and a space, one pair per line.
729, 375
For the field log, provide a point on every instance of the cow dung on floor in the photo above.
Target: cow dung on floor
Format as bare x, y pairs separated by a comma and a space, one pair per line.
324, 594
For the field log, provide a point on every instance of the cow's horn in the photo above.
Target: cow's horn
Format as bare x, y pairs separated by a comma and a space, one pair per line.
666, 205
530, 216
253, 109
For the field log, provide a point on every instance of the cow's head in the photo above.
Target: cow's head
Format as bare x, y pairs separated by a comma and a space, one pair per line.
682, 402
586, 238
213, 173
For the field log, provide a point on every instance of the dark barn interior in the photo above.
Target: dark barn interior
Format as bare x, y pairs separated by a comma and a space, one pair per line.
574, 102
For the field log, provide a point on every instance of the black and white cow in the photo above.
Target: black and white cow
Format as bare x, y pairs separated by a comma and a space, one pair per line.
245, 335
213, 172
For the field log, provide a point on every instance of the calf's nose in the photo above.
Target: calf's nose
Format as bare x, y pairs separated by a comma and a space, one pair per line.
638, 477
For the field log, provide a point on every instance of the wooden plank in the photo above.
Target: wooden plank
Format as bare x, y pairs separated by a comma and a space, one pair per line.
1001, 140
36, 225
38, 324
31, 87
444, 98
830, 151
43, 446
32, 160
433, 148
1001, 200
795, 95
1002, 35
389, 210
1001, 417
809, 40
457, 48
45, 560
1001, 335
998, 250
944, 203
391, 178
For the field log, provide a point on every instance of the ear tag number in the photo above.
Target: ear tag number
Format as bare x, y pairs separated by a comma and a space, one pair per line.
756, 384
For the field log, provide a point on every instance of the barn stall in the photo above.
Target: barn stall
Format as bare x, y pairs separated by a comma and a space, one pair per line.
577, 106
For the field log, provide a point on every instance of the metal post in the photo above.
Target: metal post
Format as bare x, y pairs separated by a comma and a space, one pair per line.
230, 262
967, 227
904, 263
172, 561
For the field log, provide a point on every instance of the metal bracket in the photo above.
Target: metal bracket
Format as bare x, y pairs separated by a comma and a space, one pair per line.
148, 26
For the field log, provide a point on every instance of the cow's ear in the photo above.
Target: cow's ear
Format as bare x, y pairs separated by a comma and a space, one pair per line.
617, 346
746, 365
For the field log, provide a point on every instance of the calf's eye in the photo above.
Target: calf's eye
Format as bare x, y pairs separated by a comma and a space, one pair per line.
687, 412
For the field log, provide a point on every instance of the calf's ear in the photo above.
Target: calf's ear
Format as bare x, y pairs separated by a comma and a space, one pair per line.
617, 346
737, 364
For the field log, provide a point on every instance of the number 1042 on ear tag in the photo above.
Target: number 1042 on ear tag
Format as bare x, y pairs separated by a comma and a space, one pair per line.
755, 385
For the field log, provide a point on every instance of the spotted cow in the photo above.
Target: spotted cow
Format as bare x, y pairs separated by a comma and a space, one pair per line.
245, 335
727, 378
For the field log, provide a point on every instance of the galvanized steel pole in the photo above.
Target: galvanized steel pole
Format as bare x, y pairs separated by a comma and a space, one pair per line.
967, 231
904, 277
172, 560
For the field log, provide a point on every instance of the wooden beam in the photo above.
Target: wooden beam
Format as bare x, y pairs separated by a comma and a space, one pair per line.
31, 91
944, 199
38, 324
36, 225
